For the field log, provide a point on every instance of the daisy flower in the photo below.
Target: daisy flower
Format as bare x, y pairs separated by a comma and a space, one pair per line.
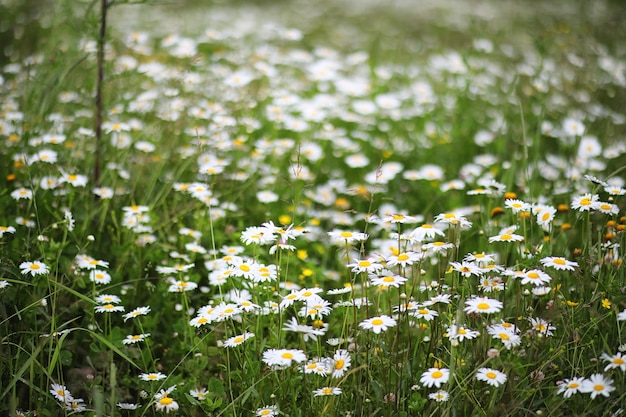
541, 327
378, 324
606, 208
33, 268
453, 219
152, 376
326, 391
283, 357
482, 305
198, 393
615, 361
423, 233
6, 229
22, 194
439, 396
135, 338
460, 333
61, 393
403, 259
108, 308
506, 237
99, 277
388, 279
423, 313
435, 377
365, 265
267, 411
491, 376
559, 263
139, 311
340, 363
516, 206
238, 340
318, 366
128, 406
584, 202
163, 402
108, 299
536, 277
347, 237
466, 269
437, 247
597, 384
545, 215
569, 387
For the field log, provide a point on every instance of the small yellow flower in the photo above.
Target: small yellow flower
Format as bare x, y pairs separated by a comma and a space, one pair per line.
606, 303
284, 219
302, 254
572, 303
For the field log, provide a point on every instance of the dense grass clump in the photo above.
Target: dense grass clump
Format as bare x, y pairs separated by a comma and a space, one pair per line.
302, 210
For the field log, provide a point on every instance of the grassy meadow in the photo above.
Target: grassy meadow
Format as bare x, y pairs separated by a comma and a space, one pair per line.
304, 209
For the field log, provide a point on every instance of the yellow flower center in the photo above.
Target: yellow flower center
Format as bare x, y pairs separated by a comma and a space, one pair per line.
166, 401
585, 202
403, 257
491, 375
504, 336
482, 306
533, 275
287, 355
559, 261
573, 385
377, 322
244, 268
238, 339
506, 236
598, 387
422, 311
339, 364
364, 264
34, 266
346, 234
437, 374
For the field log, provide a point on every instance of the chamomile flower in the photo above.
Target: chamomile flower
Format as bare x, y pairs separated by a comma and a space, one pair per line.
506, 236
606, 208
33, 268
516, 206
435, 377
378, 324
597, 384
482, 305
403, 259
22, 194
491, 376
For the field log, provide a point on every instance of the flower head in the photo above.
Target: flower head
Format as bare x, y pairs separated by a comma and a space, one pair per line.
435, 377
378, 324
491, 376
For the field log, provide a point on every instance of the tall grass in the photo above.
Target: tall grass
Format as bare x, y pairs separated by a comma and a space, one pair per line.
348, 215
